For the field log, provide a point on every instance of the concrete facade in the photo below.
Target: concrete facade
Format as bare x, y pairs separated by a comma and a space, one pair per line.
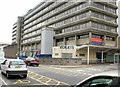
119, 17
78, 23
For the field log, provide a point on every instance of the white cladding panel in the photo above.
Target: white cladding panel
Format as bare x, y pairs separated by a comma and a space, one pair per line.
47, 40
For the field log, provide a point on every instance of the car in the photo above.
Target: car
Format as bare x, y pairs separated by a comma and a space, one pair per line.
14, 67
2, 59
105, 79
32, 61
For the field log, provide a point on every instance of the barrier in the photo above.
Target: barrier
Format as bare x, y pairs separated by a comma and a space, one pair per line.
61, 61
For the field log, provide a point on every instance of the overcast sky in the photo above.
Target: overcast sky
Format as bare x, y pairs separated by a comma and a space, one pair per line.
9, 11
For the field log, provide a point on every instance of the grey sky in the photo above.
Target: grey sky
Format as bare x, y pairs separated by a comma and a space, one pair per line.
10, 10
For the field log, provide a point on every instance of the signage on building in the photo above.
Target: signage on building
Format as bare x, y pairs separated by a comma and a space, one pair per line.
96, 41
66, 47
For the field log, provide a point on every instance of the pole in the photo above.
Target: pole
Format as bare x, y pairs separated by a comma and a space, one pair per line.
88, 55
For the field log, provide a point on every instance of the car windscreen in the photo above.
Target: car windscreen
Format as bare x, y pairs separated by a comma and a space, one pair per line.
18, 63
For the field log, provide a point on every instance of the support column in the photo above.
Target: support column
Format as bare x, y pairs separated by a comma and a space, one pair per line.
75, 39
114, 58
90, 36
55, 42
35, 46
104, 39
88, 55
102, 57
64, 41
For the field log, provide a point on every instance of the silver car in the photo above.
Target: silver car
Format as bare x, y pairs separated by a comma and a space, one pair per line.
14, 67
105, 79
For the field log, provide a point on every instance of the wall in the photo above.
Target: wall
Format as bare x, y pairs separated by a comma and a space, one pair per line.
61, 61
83, 41
84, 57
10, 51
59, 50
110, 43
70, 42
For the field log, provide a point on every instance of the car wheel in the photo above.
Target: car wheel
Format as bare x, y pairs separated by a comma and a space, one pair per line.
8, 76
24, 76
28, 64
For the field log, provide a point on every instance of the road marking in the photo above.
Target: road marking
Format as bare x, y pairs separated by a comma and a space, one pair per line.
3, 81
45, 80
22, 81
61, 71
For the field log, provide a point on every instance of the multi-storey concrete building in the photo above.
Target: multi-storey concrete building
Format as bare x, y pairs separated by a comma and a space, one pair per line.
88, 26
14, 32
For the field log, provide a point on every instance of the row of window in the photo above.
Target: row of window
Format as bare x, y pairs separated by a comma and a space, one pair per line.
102, 16
31, 34
96, 4
87, 25
72, 19
87, 36
57, 16
32, 39
103, 7
33, 47
104, 27
69, 19
47, 8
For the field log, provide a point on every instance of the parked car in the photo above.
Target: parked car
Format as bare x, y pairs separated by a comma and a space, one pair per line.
32, 61
14, 67
2, 59
105, 79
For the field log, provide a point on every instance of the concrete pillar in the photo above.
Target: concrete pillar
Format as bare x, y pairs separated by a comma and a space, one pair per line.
90, 36
64, 41
55, 43
104, 39
75, 39
102, 57
88, 55
18, 36
35, 46
47, 34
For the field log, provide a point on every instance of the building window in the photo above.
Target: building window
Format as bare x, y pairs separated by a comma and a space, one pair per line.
97, 36
110, 38
81, 54
70, 38
83, 36
56, 54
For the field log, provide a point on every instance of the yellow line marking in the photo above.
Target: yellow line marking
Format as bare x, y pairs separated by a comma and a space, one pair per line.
43, 77
48, 81
22, 81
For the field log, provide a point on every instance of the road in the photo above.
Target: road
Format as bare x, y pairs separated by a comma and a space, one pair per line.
56, 74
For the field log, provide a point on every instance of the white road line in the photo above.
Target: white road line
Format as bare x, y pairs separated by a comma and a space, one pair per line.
3, 81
